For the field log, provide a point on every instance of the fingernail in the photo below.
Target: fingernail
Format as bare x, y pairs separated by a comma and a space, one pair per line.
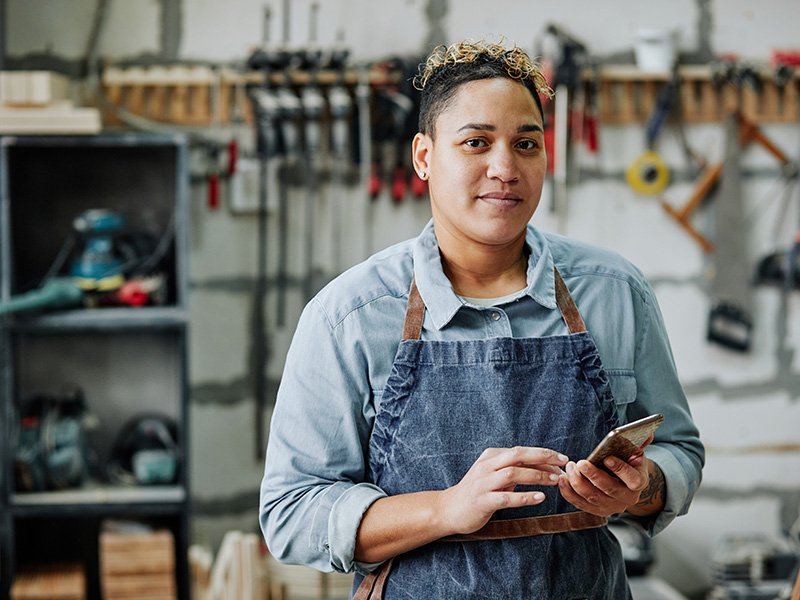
563, 458
553, 477
570, 468
611, 462
538, 496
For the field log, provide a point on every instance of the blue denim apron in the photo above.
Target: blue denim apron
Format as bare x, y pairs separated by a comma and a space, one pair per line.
443, 405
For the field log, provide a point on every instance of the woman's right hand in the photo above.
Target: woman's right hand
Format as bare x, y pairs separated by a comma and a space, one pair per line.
489, 485
397, 524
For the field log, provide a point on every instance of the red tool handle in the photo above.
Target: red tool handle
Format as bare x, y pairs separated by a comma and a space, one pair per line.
375, 183
233, 156
590, 132
549, 145
399, 184
213, 191
132, 293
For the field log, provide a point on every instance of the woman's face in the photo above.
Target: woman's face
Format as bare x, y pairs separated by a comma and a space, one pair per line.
487, 165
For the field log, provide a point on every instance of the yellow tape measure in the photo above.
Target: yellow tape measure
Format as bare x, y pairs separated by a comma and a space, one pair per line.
648, 174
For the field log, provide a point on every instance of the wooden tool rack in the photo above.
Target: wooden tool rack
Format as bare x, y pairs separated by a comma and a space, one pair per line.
628, 96
204, 96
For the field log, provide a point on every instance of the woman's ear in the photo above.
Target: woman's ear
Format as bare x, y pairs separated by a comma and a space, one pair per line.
420, 150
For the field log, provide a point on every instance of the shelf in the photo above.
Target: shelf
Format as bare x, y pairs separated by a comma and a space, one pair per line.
116, 140
100, 498
103, 319
126, 361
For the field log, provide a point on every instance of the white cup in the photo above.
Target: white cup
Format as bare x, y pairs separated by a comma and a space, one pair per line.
655, 50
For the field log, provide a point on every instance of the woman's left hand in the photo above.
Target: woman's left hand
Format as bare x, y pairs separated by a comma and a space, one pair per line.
595, 491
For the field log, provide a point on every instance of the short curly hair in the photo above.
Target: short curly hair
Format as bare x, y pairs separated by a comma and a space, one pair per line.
448, 67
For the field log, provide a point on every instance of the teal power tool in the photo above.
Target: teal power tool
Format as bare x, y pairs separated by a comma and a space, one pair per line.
60, 292
98, 266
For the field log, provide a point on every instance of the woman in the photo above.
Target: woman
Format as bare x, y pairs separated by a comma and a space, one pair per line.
408, 458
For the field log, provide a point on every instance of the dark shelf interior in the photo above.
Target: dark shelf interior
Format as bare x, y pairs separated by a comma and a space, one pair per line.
49, 186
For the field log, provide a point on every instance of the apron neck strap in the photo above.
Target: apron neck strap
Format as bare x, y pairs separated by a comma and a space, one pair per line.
567, 306
415, 310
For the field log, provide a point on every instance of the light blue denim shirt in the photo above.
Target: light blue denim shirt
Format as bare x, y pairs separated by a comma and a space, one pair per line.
313, 494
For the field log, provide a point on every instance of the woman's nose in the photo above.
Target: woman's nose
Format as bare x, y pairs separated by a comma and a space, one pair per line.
502, 164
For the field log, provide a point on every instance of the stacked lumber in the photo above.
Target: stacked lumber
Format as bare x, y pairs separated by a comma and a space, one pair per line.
238, 572
293, 582
137, 565
50, 582
200, 562
243, 570
38, 102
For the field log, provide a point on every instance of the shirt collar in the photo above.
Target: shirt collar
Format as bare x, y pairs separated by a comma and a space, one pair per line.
441, 301
541, 275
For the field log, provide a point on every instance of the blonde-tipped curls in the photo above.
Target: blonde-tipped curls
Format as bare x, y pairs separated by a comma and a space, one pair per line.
516, 61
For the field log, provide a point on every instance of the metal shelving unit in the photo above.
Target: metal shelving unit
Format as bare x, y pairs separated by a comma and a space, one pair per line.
128, 361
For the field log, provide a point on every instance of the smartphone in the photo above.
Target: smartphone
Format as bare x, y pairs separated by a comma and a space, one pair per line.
623, 441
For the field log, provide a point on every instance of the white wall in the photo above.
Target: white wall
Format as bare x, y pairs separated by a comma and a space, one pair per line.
740, 401
213, 30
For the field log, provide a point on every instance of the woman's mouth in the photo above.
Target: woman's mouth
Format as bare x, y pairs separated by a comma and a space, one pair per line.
500, 198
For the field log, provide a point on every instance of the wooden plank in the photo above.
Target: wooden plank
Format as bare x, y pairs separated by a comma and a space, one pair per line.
627, 108
178, 103
200, 562
154, 562
607, 108
225, 97
690, 105
32, 88
649, 97
126, 540
45, 88
49, 120
710, 103
199, 104
126, 586
50, 582
155, 107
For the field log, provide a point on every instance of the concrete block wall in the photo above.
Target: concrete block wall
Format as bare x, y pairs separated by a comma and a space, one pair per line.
746, 405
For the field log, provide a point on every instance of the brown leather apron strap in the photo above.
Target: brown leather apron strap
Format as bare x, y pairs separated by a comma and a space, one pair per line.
567, 306
415, 312
796, 591
515, 528
415, 309
372, 585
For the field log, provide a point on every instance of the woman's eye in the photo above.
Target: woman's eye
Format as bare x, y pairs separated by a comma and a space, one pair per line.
476, 143
527, 145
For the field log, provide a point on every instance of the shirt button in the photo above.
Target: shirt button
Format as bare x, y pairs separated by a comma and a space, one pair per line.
495, 316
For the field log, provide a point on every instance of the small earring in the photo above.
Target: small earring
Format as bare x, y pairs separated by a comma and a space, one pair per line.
423, 175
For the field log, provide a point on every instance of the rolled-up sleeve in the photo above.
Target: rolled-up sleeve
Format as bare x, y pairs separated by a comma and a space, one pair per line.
313, 494
676, 448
